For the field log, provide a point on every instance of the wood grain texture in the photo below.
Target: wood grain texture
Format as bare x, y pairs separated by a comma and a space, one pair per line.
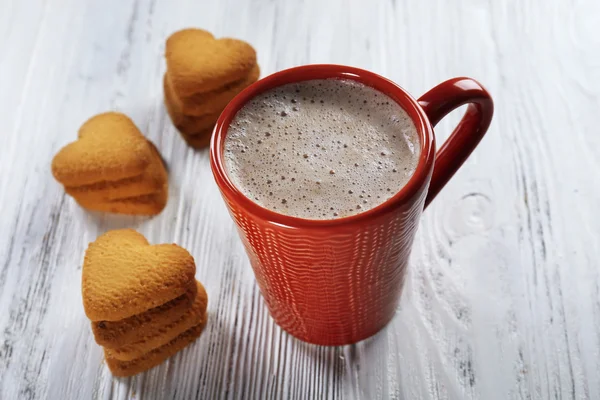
503, 295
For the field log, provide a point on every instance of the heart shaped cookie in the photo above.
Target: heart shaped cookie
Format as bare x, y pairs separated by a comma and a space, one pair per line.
124, 275
110, 147
197, 62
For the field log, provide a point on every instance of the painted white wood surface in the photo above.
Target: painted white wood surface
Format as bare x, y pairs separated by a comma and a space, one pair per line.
503, 296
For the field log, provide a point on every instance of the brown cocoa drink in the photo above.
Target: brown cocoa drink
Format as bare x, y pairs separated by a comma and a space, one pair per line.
321, 149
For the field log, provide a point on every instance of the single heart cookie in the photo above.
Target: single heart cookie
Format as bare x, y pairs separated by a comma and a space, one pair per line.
110, 147
123, 275
197, 62
206, 103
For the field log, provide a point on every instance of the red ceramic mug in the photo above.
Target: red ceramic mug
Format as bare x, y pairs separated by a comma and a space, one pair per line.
335, 282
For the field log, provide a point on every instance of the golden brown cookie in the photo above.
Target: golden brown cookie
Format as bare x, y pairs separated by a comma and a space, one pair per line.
123, 275
186, 124
148, 204
110, 147
154, 357
199, 140
152, 180
197, 62
132, 329
212, 102
153, 338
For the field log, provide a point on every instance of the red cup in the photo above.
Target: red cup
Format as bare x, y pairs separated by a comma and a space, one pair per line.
335, 282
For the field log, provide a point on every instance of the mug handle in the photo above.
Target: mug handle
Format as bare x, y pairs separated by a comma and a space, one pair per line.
439, 102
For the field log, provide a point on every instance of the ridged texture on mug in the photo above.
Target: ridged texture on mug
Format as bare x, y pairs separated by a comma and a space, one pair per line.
331, 285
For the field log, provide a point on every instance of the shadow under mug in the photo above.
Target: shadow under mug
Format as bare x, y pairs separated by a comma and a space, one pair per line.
336, 282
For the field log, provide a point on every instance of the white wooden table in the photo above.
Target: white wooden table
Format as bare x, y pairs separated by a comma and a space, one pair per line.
503, 296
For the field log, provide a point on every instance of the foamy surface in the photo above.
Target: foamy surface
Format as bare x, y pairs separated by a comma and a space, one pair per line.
321, 149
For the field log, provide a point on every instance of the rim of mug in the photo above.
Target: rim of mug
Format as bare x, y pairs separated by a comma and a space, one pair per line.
323, 71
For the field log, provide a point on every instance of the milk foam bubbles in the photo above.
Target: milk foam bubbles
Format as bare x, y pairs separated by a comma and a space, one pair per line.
321, 149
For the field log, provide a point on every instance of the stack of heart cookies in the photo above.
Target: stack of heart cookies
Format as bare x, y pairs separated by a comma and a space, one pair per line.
112, 167
144, 302
203, 75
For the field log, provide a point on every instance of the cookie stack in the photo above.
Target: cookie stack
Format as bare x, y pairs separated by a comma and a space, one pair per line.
112, 167
203, 75
143, 300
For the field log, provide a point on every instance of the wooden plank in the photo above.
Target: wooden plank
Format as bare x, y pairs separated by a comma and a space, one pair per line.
503, 295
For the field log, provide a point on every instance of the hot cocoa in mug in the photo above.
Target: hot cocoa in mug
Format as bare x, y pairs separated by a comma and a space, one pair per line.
326, 169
